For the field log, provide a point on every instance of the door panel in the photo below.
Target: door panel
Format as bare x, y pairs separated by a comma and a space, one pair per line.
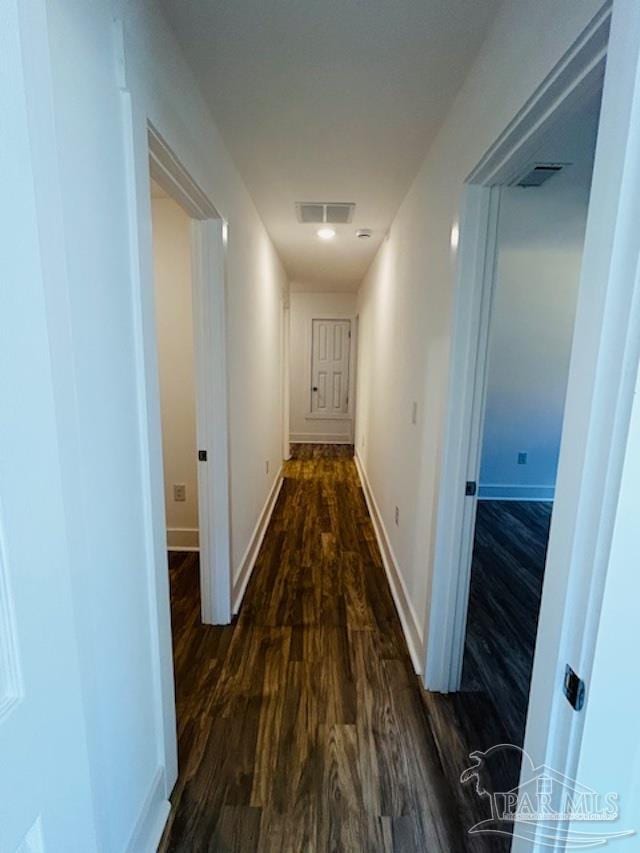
330, 367
45, 791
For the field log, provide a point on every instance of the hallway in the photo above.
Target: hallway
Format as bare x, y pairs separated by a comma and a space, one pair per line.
301, 727
402, 237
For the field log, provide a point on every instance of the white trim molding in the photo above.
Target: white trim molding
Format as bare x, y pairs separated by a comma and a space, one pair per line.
167, 170
208, 264
147, 153
152, 819
150, 432
318, 416
286, 375
508, 492
408, 618
183, 539
243, 574
319, 438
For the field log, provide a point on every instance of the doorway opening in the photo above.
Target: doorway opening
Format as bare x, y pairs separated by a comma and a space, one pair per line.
189, 340
175, 333
207, 241
322, 357
540, 232
596, 413
171, 227
530, 275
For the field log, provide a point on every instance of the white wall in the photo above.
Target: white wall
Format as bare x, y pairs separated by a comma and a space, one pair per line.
165, 91
405, 301
174, 321
305, 307
610, 749
540, 241
117, 568
116, 522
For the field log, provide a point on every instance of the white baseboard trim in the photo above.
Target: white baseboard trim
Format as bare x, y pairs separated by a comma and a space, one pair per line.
183, 538
152, 819
253, 549
319, 438
503, 492
408, 619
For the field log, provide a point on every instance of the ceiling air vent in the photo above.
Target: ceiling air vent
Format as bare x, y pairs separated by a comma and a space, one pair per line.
539, 174
334, 213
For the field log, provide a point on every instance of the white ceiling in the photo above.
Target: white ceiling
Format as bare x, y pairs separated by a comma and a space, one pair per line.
329, 101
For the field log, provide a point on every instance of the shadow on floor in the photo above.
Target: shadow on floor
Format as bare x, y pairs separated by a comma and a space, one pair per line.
504, 602
302, 726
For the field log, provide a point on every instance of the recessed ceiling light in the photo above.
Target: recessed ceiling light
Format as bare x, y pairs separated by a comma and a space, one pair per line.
326, 233
363, 233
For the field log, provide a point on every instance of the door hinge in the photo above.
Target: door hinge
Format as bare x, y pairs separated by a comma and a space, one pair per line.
574, 689
470, 488
202, 455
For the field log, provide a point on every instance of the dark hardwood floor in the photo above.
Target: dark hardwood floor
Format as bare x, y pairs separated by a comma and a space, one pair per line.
504, 601
509, 554
302, 727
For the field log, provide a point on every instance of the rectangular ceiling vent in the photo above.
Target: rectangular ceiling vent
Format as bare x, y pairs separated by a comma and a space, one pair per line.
539, 174
334, 213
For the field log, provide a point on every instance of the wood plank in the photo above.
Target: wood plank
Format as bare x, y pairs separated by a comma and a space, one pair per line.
302, 726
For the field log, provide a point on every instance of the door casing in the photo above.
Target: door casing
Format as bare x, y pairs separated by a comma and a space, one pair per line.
604, 360
149, 155
208, 249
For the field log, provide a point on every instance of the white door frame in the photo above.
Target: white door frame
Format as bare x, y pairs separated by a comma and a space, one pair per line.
146, 152
469, 371
208, 250
356, 361
577, 76
600, 389
286, 375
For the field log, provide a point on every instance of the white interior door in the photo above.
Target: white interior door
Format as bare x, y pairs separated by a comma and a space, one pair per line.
330, 345
45, 793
